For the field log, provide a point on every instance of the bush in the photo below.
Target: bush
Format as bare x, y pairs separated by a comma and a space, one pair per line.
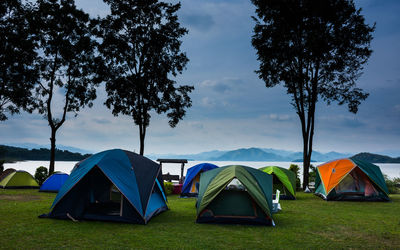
295, 169
169, 187
313, 173
41, 174
392, 184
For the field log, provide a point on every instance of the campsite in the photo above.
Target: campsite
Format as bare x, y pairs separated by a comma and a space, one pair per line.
309, 222
213, 124
116, 199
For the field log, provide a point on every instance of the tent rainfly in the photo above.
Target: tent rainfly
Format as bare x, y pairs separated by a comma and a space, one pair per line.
283, 180
54, 182
113, 185
19, 179
191, 185
235, 194
350, 179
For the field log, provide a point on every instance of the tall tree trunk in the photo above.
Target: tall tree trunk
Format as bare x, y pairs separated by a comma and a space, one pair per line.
142, 135
52, 150
306, 157
306, 165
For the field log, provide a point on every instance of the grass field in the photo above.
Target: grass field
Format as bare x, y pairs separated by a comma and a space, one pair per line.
308, 222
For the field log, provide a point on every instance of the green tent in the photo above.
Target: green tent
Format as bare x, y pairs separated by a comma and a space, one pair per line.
235, 194
19, 179
284, 180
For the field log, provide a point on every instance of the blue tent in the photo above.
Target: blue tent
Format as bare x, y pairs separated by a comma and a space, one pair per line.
190, 187
54, 182
113, 185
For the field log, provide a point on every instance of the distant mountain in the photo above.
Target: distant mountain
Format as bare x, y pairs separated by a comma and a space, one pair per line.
281, 152
59, 146
375, 158
252, 154
249, 154
204, 156
8, 153
321, 157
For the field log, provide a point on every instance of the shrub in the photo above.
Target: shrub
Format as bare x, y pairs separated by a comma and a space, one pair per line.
169, 187
41, 174
312, 173
295, 169
392, 184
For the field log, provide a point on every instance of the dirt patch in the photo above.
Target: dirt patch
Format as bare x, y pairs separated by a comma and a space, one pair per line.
19, 197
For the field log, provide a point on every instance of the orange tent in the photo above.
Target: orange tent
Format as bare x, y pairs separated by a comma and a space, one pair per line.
349, 179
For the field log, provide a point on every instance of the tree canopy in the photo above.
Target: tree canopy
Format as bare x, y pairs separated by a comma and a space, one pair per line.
141, 49
66, 55
18, 73
317, 50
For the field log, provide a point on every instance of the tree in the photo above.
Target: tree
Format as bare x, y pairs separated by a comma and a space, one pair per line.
18, 74
66, 54
141, 49
41, 174
317, 50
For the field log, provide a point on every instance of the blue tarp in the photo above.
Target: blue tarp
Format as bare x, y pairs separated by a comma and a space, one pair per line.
192, 172
54, 182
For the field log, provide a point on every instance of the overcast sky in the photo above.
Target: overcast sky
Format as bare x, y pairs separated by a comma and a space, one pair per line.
232, 108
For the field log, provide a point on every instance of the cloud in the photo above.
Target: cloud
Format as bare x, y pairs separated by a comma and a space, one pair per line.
102, 121
201, 22
279, 117
207, 102
221, 86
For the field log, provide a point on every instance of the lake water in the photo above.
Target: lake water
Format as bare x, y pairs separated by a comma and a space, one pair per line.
392, 170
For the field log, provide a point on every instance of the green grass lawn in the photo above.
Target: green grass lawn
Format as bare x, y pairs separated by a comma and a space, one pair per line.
308, 222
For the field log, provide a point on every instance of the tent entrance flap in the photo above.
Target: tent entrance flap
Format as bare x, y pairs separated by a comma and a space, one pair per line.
105, 198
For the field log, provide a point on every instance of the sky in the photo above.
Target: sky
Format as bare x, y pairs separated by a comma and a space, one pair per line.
231, 107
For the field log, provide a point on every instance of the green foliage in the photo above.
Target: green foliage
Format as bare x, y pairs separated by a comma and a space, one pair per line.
317, 50
306, 223
295, 169
18, 76
312, 173
41, 174
67, 62
393, 185
169, 187
141, 50
368, 157
42, 154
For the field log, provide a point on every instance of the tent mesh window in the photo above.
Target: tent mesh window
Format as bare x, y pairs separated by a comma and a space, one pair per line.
356, 183
235, 184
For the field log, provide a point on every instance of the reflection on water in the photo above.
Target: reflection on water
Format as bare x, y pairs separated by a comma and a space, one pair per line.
392, 170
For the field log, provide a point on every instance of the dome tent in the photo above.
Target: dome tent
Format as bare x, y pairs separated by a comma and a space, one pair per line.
350, 179
54, 182
113, 185
284, 180
19, 179
190, 186
6, 172
235, 194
